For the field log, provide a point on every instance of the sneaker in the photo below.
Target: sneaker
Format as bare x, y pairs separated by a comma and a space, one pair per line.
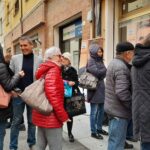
103, 132
128, 146
96, 136
22, 127
71, 138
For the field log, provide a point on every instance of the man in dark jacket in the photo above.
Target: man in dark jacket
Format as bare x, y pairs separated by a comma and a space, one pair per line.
118, 95
141, 93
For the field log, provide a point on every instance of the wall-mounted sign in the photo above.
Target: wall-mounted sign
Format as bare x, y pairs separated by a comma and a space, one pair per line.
74, 30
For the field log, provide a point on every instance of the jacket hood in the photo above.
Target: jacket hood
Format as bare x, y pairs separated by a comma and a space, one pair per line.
142, 55
93, 51
46, 66
1, 55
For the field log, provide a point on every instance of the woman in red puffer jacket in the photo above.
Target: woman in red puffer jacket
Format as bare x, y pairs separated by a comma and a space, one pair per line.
50, 127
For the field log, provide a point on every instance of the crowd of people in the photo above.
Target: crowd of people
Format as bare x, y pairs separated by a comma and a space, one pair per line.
124, 97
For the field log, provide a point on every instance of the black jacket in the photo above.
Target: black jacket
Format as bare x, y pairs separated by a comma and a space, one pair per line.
70, 74
141, 93
8, 82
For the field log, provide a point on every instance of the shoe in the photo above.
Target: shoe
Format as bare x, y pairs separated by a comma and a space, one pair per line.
96, 136
71, 138
103, 132
128, 146
132, 139
22, 127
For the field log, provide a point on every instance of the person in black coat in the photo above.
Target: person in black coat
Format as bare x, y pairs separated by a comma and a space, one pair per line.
96, 97
141, 93
8, 82
69, 74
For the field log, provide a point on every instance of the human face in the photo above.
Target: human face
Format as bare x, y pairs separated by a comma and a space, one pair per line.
65, 61
100, 53
26, 47
57, 59
129, 55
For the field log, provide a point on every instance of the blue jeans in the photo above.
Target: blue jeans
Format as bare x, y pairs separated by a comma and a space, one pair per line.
96, 117
145, 146
117, 133
18, 110
2, 134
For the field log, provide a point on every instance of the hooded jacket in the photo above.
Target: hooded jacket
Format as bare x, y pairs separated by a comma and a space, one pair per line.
96, 67
8, 82
54, 90
141, 93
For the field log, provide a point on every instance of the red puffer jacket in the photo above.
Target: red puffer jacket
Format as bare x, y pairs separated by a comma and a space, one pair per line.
54, 90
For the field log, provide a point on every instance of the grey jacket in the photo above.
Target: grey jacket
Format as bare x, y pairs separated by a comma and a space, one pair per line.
118, 90
17, 61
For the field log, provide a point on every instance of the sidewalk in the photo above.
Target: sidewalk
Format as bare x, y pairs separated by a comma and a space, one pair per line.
81, 132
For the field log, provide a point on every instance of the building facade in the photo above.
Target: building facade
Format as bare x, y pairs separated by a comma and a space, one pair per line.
73, 25
1, 22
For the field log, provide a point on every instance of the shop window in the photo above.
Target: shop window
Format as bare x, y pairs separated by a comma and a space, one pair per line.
135, 30
131, 5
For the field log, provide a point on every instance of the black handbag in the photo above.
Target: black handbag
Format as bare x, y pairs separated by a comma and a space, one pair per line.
76, 104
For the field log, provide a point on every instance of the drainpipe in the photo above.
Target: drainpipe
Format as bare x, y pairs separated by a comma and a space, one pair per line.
21, 22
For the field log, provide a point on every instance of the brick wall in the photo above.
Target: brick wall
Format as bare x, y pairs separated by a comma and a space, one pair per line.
59, 11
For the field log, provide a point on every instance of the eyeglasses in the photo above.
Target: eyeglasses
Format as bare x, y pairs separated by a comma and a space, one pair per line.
59, 56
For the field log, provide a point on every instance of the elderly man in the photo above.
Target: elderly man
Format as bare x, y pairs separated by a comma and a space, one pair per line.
118, 95
28, 62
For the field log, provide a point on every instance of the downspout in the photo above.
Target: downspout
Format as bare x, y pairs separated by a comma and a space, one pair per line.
45, 25
114, 19
21, 22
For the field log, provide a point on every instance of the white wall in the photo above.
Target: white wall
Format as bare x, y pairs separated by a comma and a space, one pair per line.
111, 27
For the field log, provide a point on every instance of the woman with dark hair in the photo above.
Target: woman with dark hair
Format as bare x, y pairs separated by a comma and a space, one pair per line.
69, 74
8, 82
96, 97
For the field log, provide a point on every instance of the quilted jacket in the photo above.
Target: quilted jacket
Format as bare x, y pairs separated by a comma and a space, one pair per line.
54, 90
8, 82
141, 93
118, 96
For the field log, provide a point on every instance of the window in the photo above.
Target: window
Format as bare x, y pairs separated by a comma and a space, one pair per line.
1, 26
134, 30
16, 7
